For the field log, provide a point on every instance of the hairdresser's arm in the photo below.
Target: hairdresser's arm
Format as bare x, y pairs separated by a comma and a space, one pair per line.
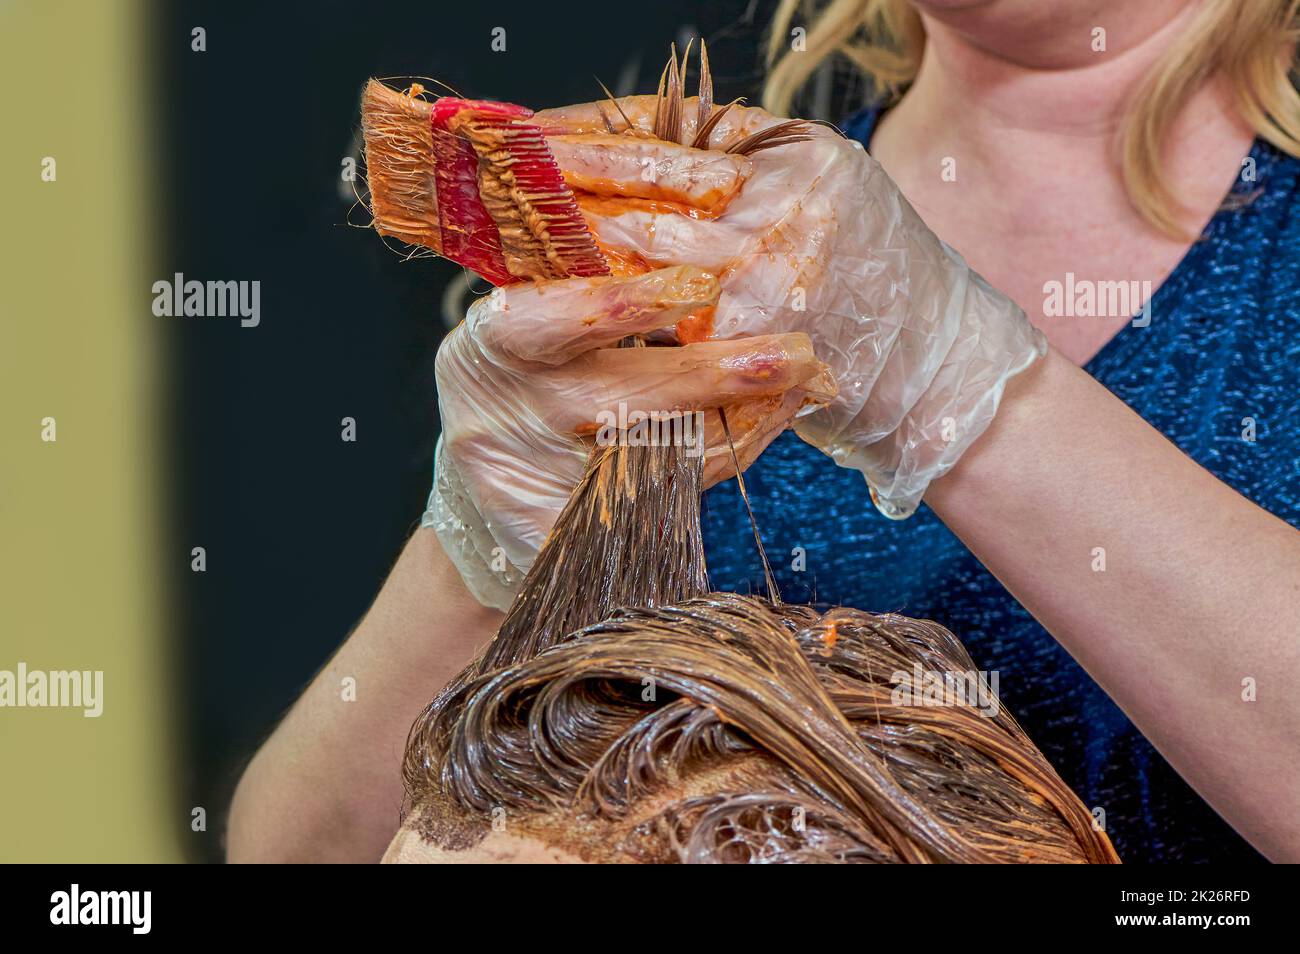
326, 786
1201, 588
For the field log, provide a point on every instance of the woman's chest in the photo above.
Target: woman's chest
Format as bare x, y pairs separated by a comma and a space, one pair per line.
1079, 282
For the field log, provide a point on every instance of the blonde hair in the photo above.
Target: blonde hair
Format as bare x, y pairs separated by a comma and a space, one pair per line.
1250, 43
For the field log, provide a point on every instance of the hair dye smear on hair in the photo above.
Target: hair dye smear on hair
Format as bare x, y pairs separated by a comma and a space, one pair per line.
623, 713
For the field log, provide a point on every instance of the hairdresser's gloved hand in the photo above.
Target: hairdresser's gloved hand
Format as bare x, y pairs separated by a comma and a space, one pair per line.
818, 239
533, 375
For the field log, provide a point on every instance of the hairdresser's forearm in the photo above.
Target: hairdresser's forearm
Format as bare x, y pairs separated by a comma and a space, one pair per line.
1200, 591
327, 784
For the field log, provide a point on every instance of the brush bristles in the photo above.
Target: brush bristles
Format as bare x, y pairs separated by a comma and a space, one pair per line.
400, 166
542, 232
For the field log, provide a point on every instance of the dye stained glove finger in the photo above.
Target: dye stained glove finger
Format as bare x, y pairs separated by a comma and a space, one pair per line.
649, 169
684, 192
554, 322
818, 239
693, 377
525, 387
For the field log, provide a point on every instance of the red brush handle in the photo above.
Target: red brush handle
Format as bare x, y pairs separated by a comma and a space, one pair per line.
448, 106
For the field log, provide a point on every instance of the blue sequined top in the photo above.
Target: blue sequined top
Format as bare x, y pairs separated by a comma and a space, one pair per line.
1223, 345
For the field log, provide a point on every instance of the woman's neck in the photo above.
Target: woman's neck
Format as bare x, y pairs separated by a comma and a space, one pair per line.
1069, 77
1016, 165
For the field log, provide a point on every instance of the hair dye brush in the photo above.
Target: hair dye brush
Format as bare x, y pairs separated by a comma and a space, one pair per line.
478, 183
475, 182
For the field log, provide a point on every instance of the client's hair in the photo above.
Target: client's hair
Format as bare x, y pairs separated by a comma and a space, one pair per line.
623, 712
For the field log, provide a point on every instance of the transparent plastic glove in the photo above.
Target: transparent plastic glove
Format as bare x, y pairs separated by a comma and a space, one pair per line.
818, 239
528, 382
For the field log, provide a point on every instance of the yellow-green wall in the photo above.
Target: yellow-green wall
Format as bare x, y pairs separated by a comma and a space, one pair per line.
80, 518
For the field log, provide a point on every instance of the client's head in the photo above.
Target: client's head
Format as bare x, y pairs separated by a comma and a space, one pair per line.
717, 727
